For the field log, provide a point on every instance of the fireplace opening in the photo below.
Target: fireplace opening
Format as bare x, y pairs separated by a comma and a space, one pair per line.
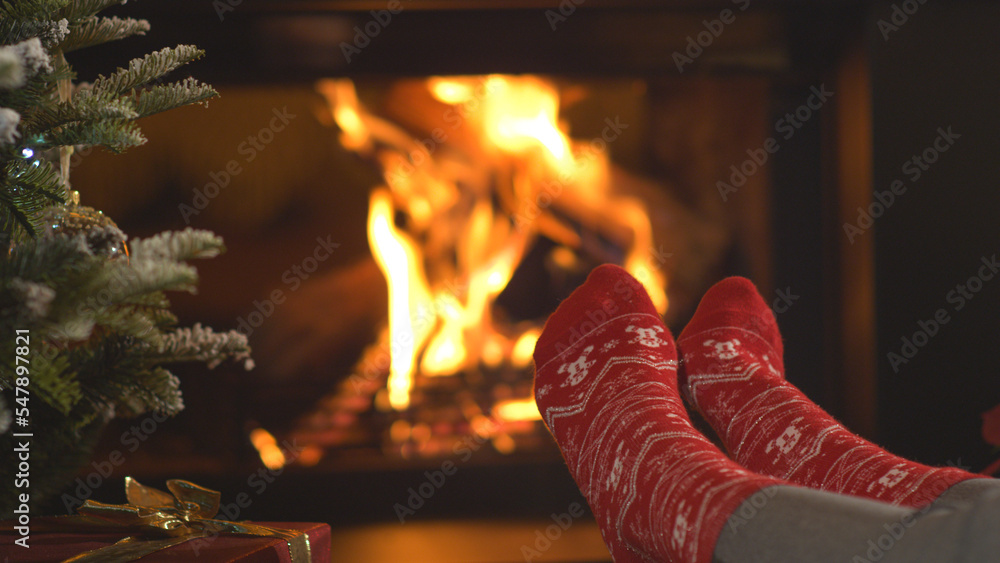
395, 320
400, 227
489, 211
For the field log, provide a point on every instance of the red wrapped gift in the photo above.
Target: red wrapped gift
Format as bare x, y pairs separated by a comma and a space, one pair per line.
52, 547
158, 527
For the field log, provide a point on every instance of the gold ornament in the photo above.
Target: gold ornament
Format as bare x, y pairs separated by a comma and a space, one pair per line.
102, 235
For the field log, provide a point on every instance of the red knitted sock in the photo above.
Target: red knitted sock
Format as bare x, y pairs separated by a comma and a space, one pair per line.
732, 371
606, 386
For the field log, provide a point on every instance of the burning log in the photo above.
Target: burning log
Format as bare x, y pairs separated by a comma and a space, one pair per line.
479, 174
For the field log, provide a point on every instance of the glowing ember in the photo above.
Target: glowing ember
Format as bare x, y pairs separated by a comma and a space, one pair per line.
517, 409
310, 455
267, 448
520, 356
450, 91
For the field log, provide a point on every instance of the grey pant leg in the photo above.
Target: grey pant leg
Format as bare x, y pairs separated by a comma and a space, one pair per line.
788, 524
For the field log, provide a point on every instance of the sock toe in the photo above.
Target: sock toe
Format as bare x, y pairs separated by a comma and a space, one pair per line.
608, 291
732, 289
734, 302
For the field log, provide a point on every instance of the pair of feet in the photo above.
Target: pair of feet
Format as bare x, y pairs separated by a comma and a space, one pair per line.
607, 384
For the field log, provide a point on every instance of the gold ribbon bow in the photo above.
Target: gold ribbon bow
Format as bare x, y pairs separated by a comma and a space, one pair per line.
158, 520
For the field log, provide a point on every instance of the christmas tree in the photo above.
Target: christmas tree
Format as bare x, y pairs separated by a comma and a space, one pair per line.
85, 324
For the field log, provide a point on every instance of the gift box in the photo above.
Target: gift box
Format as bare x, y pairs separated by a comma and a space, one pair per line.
53, 547
157, 527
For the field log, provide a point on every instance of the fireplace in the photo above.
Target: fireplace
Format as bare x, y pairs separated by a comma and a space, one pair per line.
488, 212
699, 142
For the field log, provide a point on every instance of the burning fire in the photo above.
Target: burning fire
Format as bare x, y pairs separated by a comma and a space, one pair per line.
398, 258
448, 228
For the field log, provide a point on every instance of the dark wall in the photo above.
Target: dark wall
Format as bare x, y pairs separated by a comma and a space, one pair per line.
799, 271
937, 72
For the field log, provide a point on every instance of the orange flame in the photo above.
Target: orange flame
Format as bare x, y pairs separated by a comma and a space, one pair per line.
442, 290
398, 259
517, 409
354, 133
520, 356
